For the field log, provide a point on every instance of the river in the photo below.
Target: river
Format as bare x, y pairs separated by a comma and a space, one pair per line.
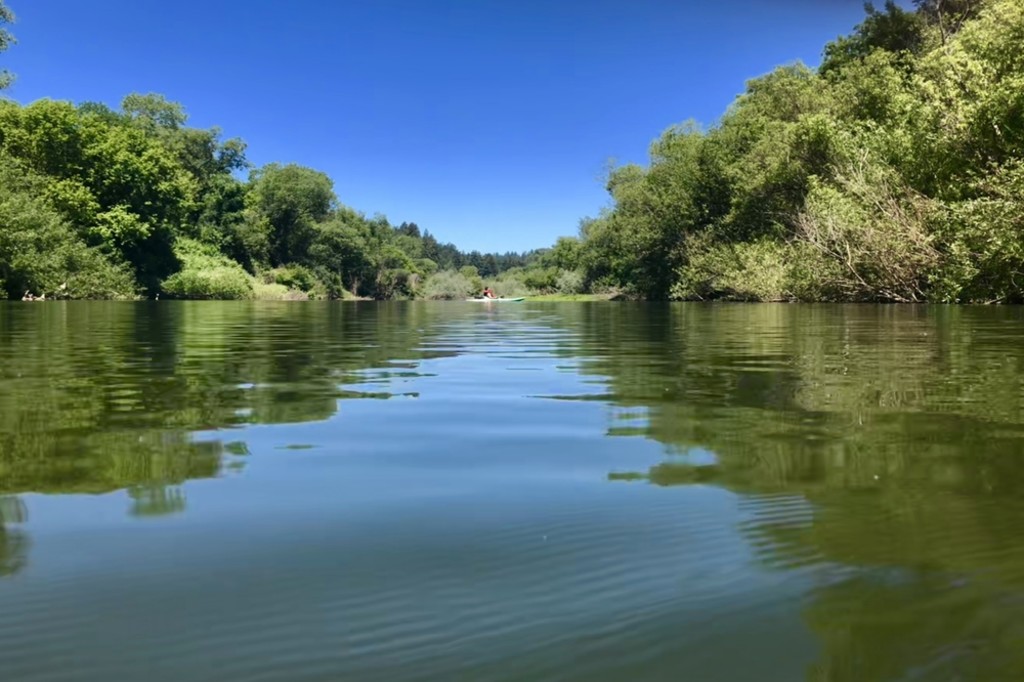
531, 491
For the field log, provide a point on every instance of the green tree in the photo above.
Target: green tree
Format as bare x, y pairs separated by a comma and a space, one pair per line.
288, 202
153, 111
341, 254
565, 254
216, 214
948, 15
122, 190
6, 40
42, 254
890, 173
894, 30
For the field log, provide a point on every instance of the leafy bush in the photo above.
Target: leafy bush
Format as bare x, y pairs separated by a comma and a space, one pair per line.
983, 242
542, 279
470, 273
41, 253
89, 274
448, 285
302, 282
746, 271
331, 285
508, 286
262, 291
861, 237
570, 282
296, 277
874, 231
206, 274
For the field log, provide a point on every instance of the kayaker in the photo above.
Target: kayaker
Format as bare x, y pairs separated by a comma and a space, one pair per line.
489, 293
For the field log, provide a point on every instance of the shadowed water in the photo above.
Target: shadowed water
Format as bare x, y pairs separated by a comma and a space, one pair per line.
327, 491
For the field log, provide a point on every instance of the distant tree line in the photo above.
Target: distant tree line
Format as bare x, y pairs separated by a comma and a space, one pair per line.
892, 172
104, 203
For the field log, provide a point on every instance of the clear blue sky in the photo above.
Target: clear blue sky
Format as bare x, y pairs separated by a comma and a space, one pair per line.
487, 122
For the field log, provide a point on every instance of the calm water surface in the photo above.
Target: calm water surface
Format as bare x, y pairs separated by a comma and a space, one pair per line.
300, 492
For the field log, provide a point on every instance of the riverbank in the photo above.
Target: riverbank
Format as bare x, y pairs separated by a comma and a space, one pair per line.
559, 298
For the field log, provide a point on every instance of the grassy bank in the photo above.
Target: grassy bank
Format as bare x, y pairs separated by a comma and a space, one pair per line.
558, 298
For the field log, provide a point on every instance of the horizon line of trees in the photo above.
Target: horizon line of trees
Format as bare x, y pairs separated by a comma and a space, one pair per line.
892, 172
104, 203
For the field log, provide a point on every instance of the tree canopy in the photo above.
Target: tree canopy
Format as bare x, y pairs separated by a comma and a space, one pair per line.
6, 39
104, 203
893, 172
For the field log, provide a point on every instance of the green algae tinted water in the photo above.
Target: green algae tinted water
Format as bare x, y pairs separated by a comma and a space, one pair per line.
337, 491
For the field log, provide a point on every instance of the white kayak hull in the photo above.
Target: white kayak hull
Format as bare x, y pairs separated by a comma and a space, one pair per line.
497, 300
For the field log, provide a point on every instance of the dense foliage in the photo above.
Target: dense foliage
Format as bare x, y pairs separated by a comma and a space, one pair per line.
91, 194
894, 172
117, 204
6, 17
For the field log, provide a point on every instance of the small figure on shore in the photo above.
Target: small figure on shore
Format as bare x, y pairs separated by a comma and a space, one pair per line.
27, 296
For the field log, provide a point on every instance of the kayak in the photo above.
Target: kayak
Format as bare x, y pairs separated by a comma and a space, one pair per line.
481, 299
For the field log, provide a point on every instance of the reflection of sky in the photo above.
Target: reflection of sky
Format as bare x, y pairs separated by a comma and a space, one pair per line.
474, 521
464, 515
456, 559
695, 457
